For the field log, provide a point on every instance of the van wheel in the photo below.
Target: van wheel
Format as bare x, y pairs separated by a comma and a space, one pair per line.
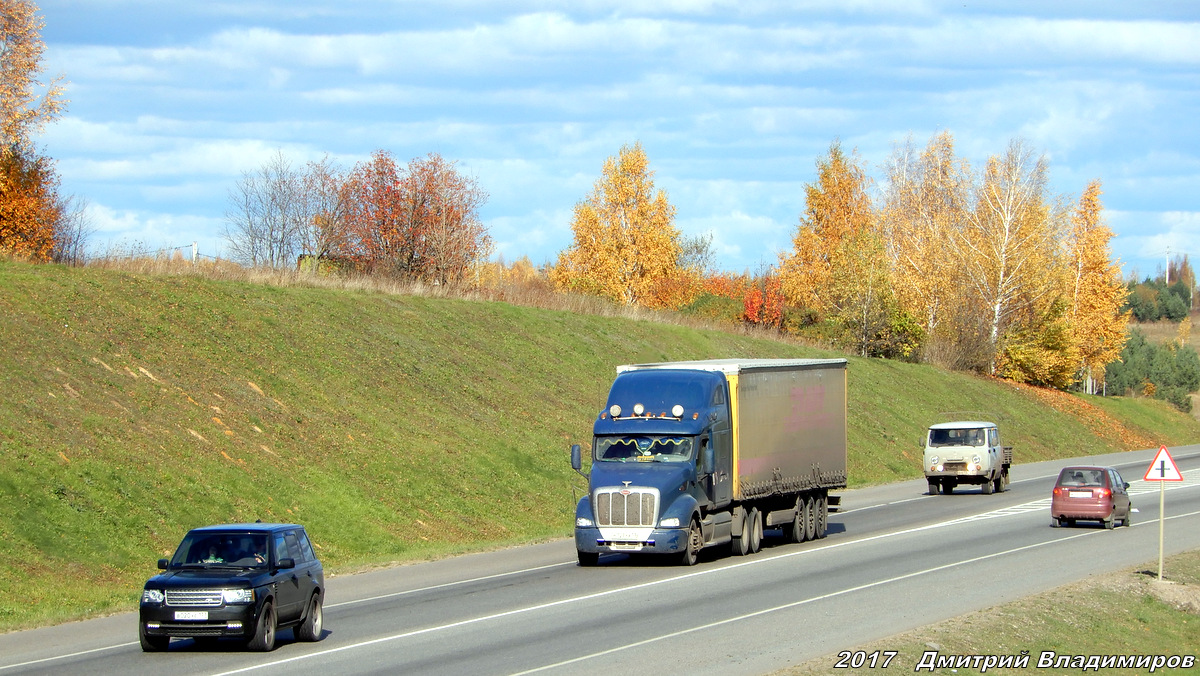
933, 488
947, 488
264, 632
691, 553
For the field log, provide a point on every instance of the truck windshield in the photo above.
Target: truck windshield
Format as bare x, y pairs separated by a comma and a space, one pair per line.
967, 437
643, 449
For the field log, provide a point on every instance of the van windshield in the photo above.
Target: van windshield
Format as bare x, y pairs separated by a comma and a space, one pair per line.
643, 448
961, 437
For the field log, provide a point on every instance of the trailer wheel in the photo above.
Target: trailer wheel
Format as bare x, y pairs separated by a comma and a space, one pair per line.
822, 516
810, 522
691, 553
756, 529
798, 532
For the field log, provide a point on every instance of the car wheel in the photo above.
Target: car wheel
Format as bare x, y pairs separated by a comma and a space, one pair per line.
152, 644
589, 559
310, 629
691, 552
264, 632
1110, 522
1128, 518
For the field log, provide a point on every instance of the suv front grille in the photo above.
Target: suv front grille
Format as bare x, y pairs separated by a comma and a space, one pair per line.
194, 598
626, 507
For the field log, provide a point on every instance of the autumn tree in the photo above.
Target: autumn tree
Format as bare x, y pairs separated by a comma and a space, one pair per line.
920, 214
419, 221
30, 206
1008, 245
1097, 294
267, 214
323, 232
625, 241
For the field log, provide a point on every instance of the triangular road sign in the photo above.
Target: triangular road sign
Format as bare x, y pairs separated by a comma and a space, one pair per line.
1163, 468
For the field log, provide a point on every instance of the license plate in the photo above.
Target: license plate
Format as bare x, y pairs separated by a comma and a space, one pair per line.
626, 546
1081, 494
191, 614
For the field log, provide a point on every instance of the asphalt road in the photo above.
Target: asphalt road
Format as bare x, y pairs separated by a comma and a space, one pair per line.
895, 559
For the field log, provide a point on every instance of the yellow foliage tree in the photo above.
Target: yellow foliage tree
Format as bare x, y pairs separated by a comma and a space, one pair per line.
922, 209
30, 208
626, 246
837, 214
1097, 322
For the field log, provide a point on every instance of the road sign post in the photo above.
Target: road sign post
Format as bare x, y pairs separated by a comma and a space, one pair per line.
1162, 470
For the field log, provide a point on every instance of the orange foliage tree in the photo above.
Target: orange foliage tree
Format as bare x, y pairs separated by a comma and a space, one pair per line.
30, 207
415, 222
626, 246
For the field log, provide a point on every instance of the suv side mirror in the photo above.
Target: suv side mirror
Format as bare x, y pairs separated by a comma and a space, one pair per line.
284, 564
162, 564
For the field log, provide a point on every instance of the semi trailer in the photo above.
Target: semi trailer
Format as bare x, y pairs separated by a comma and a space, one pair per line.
696, 454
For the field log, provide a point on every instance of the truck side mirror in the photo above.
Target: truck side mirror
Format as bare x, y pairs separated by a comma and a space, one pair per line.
706, 460
576, 458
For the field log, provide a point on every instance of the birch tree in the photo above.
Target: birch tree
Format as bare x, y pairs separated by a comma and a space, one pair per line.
1009, 240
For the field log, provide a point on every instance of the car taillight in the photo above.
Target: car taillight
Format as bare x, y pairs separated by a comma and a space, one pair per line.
1103, 493
1058, 491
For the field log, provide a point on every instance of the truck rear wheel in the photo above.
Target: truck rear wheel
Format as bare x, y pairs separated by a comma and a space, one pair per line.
756, 528
822, 516
810, 521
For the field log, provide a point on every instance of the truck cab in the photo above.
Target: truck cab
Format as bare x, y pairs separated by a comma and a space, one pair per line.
966, 452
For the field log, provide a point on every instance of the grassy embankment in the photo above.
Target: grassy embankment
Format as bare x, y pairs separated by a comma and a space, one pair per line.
1129, 613
395, 427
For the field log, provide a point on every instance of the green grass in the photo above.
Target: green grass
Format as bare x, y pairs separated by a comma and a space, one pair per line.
395, 427
1118, 614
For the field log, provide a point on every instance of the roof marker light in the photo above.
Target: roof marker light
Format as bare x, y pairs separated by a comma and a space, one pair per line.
638, 409
614, 410
677, 410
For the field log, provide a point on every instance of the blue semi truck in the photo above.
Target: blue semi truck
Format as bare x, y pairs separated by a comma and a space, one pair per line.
688, 455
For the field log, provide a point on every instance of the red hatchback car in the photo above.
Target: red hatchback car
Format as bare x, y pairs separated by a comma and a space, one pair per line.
1090, 494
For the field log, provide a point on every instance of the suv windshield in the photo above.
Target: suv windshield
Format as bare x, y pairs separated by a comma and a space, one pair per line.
967, 437
205, 549
644, 449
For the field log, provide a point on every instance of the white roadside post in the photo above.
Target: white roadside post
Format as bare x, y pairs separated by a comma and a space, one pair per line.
1162, 470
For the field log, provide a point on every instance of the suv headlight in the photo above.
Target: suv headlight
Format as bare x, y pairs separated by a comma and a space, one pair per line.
152, 596
232, 596
670, 522
583, 522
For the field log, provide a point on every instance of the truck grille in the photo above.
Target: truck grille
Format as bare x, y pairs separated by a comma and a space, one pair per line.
194, 598
626, 507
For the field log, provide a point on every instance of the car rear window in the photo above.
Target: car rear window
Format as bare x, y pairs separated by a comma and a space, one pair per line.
1091, 478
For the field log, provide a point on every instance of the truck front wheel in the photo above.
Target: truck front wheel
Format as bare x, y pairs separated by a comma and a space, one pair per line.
987, 487
691, 553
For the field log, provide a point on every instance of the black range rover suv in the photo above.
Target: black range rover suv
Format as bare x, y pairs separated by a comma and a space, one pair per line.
241, 580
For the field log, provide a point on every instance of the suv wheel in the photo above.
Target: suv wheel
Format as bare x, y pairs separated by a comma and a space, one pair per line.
310, 629
151, 644
264, 632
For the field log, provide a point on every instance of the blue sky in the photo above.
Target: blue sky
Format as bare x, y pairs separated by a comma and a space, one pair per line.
733, 101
